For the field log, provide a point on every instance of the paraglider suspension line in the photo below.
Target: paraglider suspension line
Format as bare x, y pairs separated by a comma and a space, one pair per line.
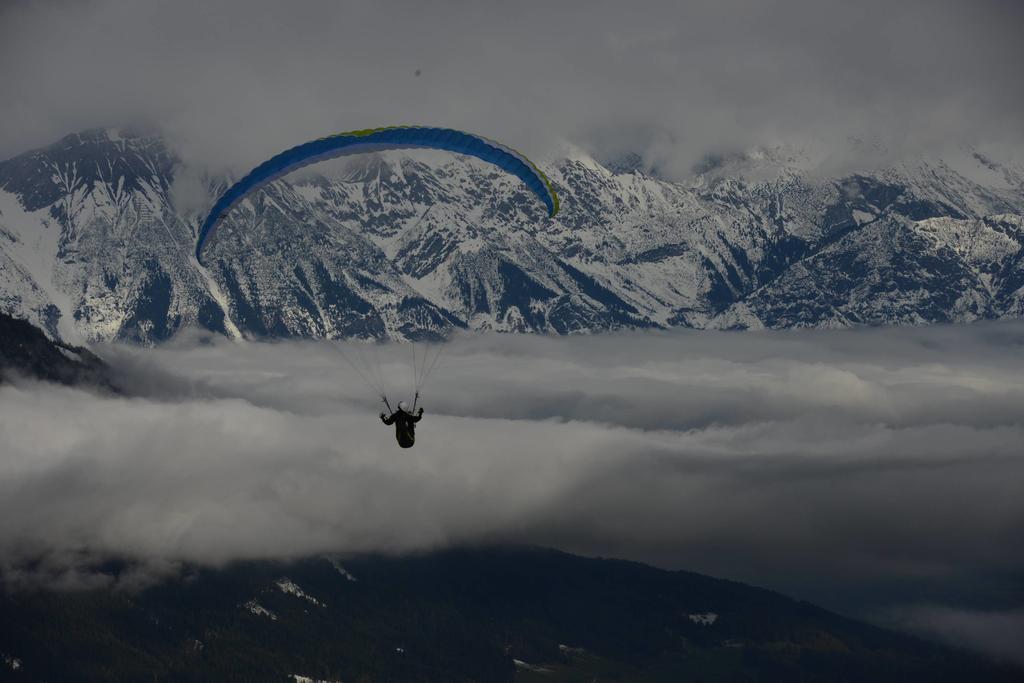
372, 385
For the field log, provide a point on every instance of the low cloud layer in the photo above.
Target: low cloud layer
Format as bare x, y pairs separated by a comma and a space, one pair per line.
232, 82
999, 634
861, 469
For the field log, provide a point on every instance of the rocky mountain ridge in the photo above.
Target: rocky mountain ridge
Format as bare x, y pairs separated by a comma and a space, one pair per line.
401, 246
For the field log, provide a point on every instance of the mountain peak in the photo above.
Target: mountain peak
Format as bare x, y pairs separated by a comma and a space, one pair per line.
408, 245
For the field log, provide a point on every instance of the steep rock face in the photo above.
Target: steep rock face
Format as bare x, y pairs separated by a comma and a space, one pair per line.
893, 270
92, 247
95, 251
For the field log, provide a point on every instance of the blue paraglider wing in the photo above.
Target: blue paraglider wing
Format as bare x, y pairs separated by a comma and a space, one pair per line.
376, 140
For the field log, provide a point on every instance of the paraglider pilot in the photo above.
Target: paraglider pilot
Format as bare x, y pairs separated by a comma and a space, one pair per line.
405, 421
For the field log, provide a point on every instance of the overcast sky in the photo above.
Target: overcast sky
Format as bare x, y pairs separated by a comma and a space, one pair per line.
234, 82
876, 470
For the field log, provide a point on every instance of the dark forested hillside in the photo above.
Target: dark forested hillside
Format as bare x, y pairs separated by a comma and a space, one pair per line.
459, 615
26, 351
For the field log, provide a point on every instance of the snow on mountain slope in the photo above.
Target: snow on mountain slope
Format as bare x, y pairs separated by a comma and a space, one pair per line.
27, 282
412, 245
98, 237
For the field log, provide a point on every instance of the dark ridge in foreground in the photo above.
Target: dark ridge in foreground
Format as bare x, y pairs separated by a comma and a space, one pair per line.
25, 350
491, 614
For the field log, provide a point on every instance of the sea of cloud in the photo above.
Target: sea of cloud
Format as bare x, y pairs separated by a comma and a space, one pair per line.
871, 470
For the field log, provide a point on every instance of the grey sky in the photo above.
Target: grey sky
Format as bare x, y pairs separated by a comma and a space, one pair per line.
232, 82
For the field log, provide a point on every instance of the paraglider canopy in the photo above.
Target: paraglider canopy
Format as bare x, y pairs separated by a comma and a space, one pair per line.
377, 140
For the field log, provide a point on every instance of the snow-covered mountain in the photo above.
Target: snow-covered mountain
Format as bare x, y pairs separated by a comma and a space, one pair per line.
409, 246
